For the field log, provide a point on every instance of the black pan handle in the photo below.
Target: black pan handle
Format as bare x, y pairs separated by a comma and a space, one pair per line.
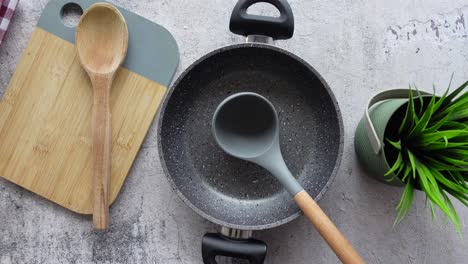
244, 24
218, 245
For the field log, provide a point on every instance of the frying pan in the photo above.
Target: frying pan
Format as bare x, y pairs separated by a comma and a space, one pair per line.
238, 195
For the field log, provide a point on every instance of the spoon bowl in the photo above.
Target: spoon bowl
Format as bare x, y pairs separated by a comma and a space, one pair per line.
102, 39
245, 125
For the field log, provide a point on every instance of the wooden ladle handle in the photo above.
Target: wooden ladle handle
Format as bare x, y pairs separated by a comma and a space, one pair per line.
335, 239
101, 149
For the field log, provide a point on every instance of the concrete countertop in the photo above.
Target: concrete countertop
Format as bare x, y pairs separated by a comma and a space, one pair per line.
359, 47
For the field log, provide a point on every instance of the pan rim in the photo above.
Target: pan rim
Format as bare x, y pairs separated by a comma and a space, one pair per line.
161, 115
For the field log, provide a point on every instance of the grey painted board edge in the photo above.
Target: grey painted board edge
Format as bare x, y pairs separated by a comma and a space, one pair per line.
152, 50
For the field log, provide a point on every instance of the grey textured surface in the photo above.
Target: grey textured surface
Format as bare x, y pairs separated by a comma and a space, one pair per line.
360, 47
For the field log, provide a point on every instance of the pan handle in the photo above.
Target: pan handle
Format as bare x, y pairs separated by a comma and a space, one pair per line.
218, 245
244, 24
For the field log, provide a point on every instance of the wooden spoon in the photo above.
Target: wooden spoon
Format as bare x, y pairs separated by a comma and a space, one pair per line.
101, 41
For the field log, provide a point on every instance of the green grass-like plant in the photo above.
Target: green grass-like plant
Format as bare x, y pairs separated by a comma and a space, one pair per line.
432, 151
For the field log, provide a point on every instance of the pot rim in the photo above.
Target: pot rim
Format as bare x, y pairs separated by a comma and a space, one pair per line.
161, 116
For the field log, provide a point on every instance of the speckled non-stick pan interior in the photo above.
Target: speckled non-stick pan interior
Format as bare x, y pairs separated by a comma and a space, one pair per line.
229, 191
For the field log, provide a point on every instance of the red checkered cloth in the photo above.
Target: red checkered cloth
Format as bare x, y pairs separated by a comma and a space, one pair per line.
7, 9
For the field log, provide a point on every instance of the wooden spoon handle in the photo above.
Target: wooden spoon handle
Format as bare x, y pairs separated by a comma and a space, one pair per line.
335, 239
101, 150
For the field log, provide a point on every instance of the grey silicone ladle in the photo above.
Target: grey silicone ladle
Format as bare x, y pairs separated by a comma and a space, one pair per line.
245, 125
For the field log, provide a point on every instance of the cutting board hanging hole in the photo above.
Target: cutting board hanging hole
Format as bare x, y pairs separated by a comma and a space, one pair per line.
70, 14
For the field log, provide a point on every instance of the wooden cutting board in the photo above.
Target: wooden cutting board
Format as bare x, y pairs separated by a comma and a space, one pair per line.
45, 113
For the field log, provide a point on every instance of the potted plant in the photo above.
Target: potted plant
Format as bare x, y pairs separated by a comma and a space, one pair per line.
419, 141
